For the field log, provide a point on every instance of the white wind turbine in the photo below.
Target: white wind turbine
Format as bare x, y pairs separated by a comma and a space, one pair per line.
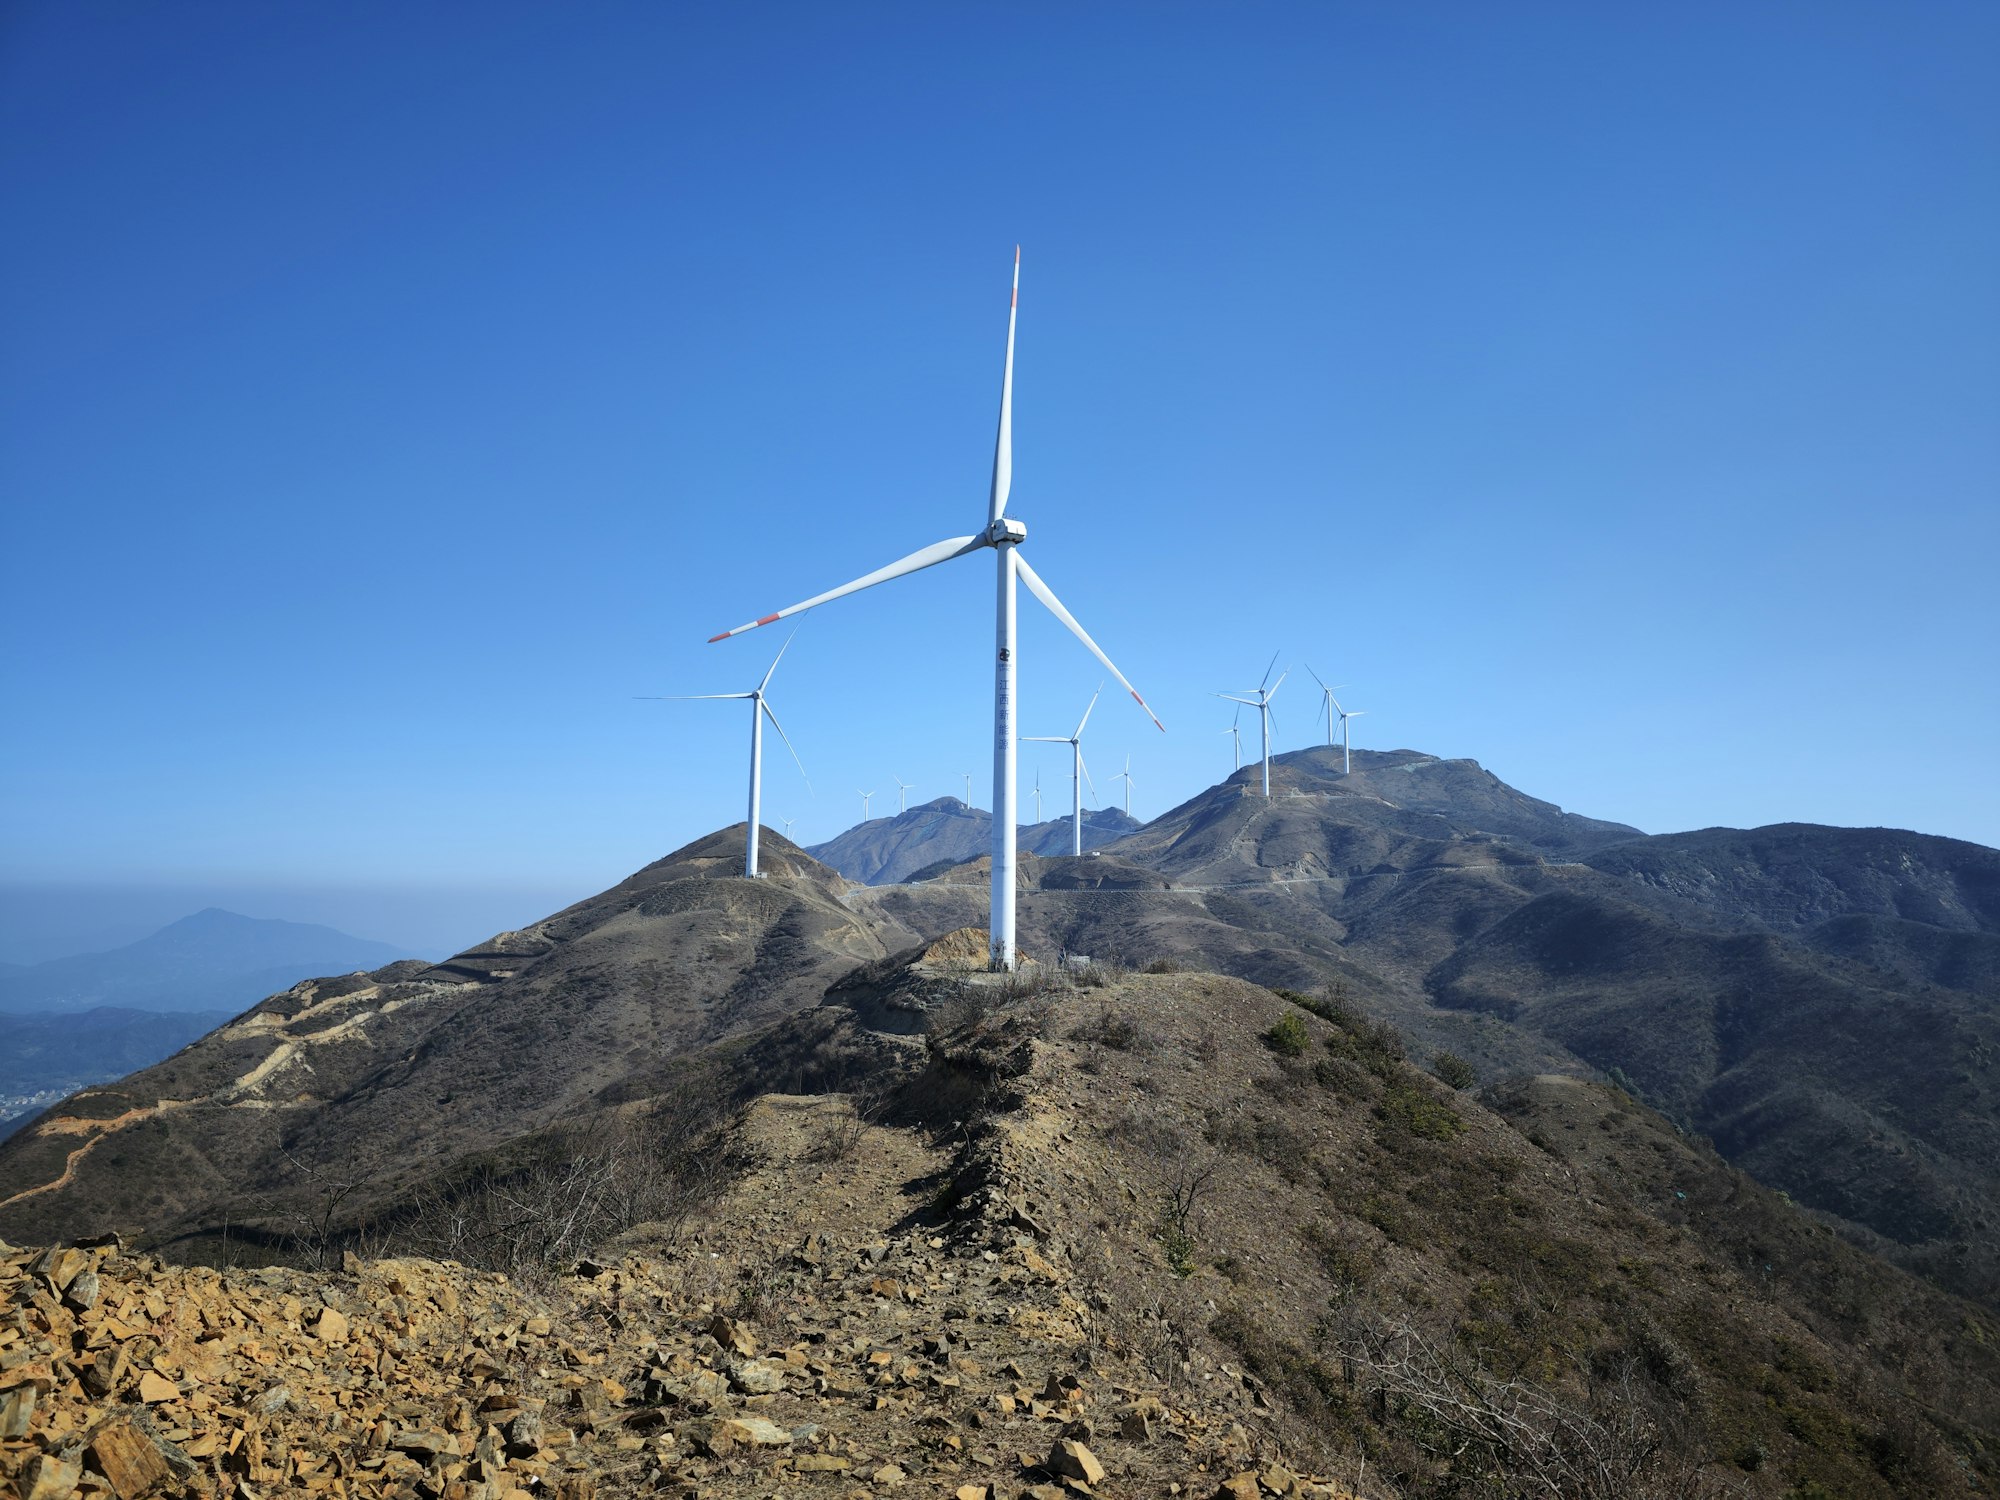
1079, 773
1346, 751
1004, 535
968, 790
1126, 777
1235, 733
760, 709
1262, 703
1038, 796
902, 793
788, 822
1329, 706
864, 802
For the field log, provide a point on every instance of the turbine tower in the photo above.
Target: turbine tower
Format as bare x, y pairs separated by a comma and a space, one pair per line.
1078, 773
864, 803
968, 790
1346, 751
902, 793
1126, 777
1004, 535
760, 709
1265, 691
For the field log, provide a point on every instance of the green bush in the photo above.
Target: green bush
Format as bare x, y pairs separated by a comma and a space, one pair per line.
1454, 1070
1417, 1112
1289, 1038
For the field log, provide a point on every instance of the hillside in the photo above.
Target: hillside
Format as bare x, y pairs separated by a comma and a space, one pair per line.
1213, 1240
1817, 1001
213, 960
48, 1056
377, 1077
944, 832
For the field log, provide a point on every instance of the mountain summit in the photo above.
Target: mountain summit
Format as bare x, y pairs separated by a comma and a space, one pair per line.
945, 831
212, 960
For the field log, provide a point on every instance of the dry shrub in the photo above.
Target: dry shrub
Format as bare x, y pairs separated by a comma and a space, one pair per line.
1614, 1440
573, 1188
1119, 1033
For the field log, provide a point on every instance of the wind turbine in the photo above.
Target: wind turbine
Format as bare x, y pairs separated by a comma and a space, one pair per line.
1329, 706
1235, 734
1262, 703
968, 791
1078, 773
1126, 777
760, 708
1004, 535
1346, 752
864, 803
788, 822
902, 793
1038, 796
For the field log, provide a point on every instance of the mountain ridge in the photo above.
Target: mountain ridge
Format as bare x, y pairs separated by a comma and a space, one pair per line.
1520, 937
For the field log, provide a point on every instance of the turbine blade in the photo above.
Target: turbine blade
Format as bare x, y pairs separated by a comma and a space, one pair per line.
1267, 670
1055, 607
1315, 677
1086, 712
1044, 739
1358, 713
931, 556
788, 745
1003, 443
689, 697
776, 659
1083, 767
1246, 702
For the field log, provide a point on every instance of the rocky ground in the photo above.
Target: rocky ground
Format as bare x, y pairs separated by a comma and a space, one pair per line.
873, 1354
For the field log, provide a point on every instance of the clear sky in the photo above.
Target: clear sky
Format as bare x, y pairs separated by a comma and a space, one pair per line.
390, 393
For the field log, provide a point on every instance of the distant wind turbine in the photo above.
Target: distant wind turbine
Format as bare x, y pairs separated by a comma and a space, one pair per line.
1079, 773
968, 791
1038, 796
788, 825
1235, 733
760, 709
902, 793
1346, 751
1005, 536
864, 803
1328, 706
1126, 777
1262, 703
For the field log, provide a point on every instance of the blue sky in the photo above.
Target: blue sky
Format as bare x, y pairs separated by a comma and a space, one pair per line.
391, 393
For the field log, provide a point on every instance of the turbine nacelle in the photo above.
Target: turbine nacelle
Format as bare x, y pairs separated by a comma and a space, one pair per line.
1005, 532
